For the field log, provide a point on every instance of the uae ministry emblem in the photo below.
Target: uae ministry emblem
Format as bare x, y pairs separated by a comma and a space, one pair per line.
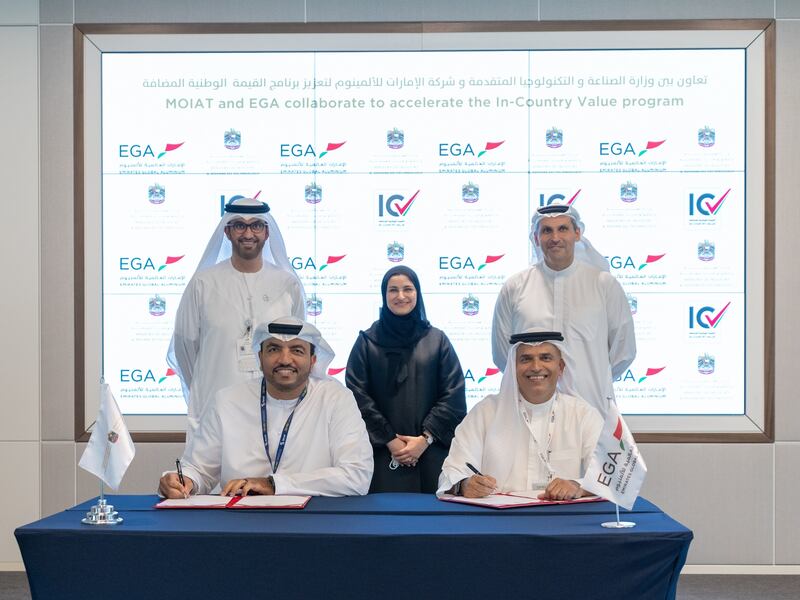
706, 251
470, 192
470, 305
706, 136
629, 192
157, 306
314, 305
313, 193
633, 302
705, 364
554, 137
156, 194
113, 436
395, 252
233, 139
395, 138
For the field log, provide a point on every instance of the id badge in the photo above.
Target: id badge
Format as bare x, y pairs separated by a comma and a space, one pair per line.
245, 357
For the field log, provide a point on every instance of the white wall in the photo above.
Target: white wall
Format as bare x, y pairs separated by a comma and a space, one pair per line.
19, 262
738, 499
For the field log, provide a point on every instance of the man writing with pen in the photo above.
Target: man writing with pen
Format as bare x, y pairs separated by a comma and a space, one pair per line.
529, 436
295, 431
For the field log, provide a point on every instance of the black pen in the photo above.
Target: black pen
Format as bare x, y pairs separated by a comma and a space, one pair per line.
474, 470
180, 472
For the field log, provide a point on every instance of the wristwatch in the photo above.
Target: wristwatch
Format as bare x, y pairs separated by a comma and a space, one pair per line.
428, 437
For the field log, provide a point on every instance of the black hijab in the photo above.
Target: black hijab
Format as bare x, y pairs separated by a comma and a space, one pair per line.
395, 331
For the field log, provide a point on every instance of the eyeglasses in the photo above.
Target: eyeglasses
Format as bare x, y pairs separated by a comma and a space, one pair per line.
241, 226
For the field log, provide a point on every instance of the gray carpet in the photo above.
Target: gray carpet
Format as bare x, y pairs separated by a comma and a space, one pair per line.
14, 586
739, 587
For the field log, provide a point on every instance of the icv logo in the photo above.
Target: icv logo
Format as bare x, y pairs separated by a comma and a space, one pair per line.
490, 371
706, 204
300, 263
706, 317
139, 151
395, 205
135, 263
625, 148
557, 199
458, 263
223, 200
297, 150
458, 149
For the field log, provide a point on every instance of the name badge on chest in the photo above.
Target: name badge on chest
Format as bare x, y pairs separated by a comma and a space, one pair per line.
245, 357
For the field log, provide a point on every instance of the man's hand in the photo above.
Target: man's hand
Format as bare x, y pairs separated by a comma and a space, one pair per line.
169, 486
415, 445
260, 486
562, 489
478, 486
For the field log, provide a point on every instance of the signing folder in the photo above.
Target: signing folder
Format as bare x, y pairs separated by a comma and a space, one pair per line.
214, 501
515, 499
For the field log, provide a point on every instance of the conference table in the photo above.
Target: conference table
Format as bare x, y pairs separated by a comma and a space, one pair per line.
378, 546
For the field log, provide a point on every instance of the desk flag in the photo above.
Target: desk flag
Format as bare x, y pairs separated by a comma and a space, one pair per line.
110, 449
616, 470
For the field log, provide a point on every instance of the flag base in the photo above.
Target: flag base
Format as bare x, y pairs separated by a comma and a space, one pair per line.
102, 514
618, 524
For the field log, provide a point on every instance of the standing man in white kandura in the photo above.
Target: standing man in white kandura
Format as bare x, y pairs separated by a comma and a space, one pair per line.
569, 289
244, 278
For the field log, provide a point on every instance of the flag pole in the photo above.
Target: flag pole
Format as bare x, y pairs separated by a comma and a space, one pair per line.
101, 513
618, 524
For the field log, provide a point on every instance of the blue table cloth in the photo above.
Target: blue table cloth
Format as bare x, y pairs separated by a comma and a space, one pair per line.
377, 546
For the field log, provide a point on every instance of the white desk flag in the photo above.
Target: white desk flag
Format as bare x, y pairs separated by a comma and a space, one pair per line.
616, 470
110, 449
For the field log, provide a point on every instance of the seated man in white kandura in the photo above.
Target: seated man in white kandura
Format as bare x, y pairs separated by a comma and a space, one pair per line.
295, 431
529, 436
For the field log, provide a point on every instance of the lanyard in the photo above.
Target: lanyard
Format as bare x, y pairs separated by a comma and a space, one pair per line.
251, 318
543, 453
284, 433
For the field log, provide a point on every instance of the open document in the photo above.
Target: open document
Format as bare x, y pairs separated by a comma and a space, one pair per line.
515, 499
215, 501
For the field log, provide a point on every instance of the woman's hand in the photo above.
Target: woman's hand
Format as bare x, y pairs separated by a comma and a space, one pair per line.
415, 445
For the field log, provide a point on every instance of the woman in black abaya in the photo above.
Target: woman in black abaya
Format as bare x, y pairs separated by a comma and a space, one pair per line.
409, 386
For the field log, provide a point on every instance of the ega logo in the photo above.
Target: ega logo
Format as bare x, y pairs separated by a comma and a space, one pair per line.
626, 148
459, 263
298, 150
143, 151
136, 263
459, 149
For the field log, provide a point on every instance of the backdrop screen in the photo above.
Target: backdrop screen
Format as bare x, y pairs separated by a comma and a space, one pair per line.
435, 160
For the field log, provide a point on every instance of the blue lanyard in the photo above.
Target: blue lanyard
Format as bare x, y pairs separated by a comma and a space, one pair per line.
286, 426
